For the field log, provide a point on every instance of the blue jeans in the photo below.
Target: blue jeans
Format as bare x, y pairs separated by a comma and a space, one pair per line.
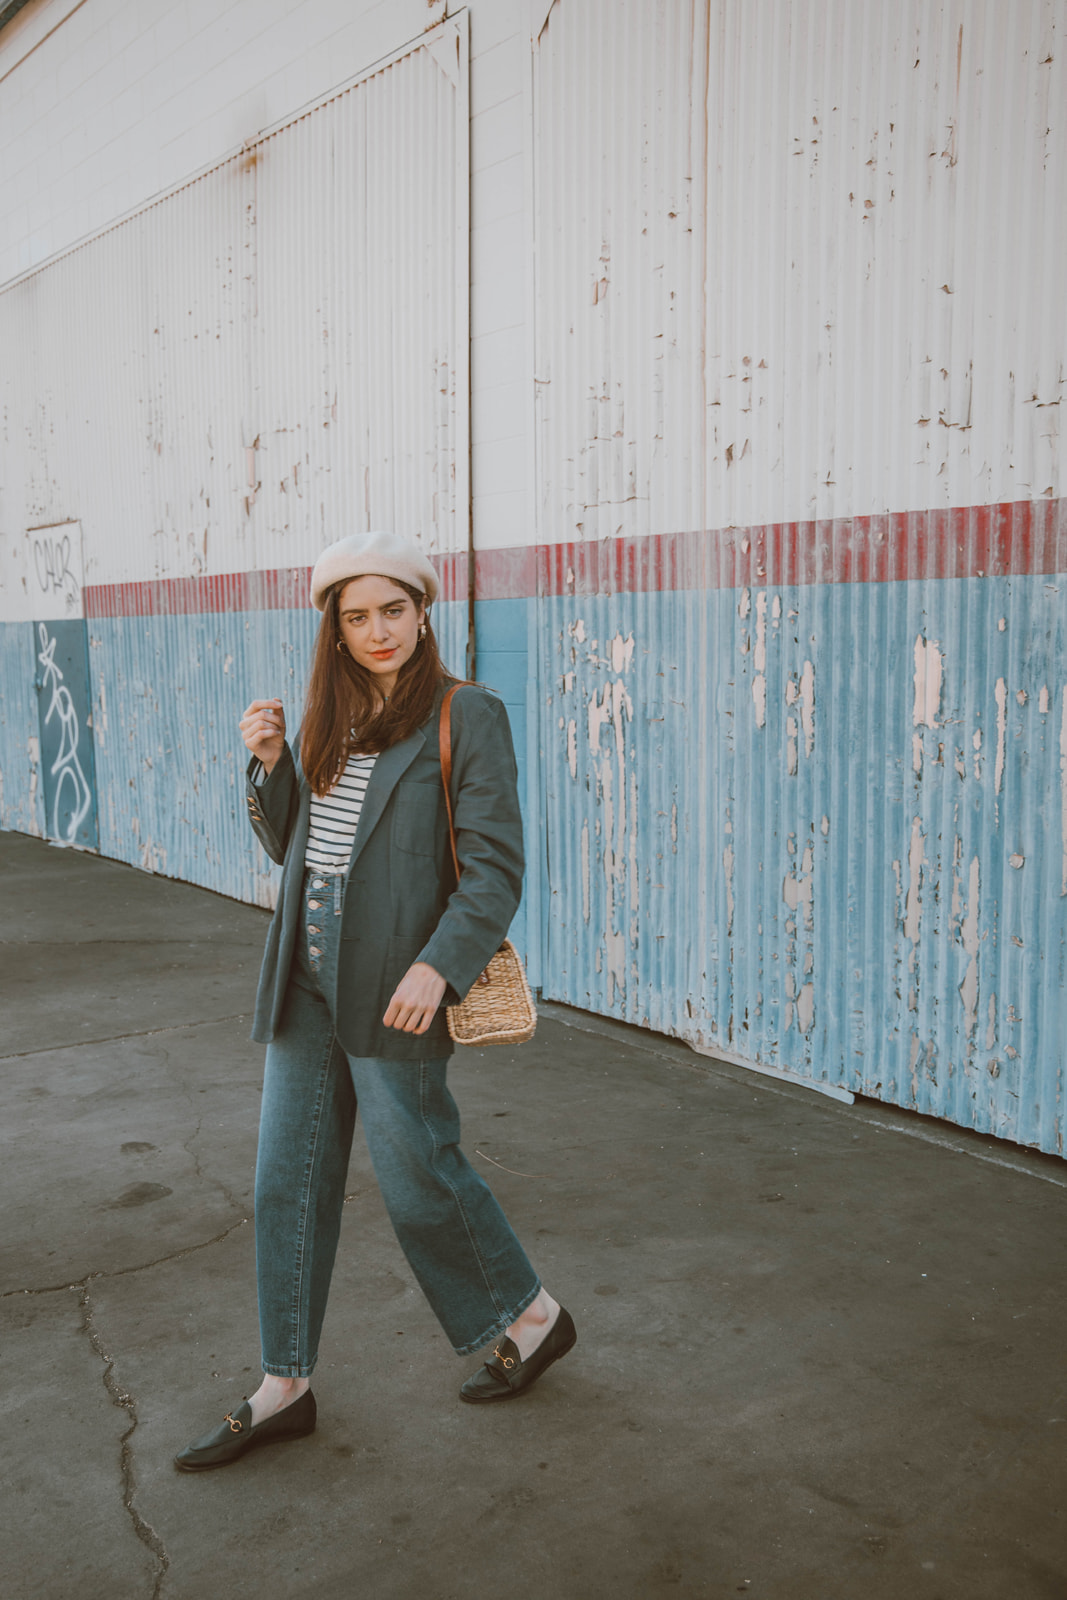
457, 1240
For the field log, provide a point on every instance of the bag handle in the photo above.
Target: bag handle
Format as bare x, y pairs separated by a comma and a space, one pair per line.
445, 744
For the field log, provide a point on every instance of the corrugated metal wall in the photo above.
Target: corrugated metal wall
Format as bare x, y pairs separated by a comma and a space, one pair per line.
793, 615
272, 356
800, 346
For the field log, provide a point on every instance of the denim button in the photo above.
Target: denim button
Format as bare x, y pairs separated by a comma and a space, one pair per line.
318, 883
312, 929
314, 905
314, 950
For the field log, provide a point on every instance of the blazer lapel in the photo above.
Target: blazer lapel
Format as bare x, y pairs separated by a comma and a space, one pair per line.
385, 775
303, 815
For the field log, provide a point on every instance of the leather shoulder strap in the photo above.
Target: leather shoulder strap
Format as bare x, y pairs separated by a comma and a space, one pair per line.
445, 741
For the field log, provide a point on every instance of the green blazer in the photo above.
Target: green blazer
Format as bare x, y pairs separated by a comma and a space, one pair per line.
401, 902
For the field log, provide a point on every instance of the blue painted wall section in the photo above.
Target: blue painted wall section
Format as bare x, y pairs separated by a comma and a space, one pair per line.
21, 793
820, 828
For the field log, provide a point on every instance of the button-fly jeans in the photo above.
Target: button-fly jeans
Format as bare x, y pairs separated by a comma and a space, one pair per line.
457, 1240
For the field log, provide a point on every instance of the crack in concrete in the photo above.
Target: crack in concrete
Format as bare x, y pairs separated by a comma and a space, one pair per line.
226, 1192
125, 1272
136, 1033
125, 1402
119, 1396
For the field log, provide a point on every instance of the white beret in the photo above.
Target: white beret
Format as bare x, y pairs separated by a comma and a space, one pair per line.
382, 555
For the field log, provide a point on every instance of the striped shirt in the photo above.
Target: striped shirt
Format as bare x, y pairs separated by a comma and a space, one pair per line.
334, 817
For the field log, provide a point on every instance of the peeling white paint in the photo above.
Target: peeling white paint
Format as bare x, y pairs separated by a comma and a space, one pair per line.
791, 746
1043, 700
825, 827
744, 605
1002, 624
806, 1008
798, 887
622, 652
585, 872
759, 659
615, 957
970, 940
917, 754
976, 742
728, 867
807, 706
1001, 694
956, 911
913, 1064
913, 908
577, 629
929, 667
759, 696
991, 1031
599, 714
572, 747
616, 776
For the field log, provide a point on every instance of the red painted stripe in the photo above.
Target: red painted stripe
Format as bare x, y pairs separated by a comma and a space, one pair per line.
1026, 537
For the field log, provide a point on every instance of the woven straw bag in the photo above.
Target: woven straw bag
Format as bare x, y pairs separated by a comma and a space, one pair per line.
499, 1008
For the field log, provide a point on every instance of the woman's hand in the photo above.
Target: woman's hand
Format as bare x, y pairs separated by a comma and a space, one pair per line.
418, 995
263, 731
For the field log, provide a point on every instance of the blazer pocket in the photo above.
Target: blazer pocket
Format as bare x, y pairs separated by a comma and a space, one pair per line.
415, 811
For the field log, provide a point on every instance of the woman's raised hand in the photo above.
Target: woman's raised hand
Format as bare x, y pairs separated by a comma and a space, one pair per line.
263, 731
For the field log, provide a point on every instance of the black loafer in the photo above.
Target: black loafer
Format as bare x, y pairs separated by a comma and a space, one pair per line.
506, 1375
235, 1435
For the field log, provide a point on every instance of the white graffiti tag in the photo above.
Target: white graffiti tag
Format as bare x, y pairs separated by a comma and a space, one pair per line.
72, 789
52, 564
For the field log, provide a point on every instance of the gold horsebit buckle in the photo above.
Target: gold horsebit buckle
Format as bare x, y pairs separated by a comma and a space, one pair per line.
235, 1427
505, 1361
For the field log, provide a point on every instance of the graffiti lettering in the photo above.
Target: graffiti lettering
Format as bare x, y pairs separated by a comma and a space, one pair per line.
51, 562
72, 790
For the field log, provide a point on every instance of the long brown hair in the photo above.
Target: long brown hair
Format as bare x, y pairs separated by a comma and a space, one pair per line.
343, 709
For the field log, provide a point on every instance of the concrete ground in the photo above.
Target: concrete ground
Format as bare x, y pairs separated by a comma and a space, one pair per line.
821, 1348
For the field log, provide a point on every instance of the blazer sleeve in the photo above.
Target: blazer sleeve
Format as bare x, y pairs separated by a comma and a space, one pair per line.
273, 804
485, 805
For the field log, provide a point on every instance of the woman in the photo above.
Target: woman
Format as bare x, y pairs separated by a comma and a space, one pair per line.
371, 937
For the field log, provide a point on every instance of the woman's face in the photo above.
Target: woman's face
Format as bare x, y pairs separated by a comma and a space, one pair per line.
380, 627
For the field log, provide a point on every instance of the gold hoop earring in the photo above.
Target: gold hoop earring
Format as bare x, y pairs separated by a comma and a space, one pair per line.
341, 646
422, 631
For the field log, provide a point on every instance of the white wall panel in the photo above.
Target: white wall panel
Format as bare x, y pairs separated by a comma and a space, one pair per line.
884, 318
619, 193
121, 100
877, 293
269, 357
